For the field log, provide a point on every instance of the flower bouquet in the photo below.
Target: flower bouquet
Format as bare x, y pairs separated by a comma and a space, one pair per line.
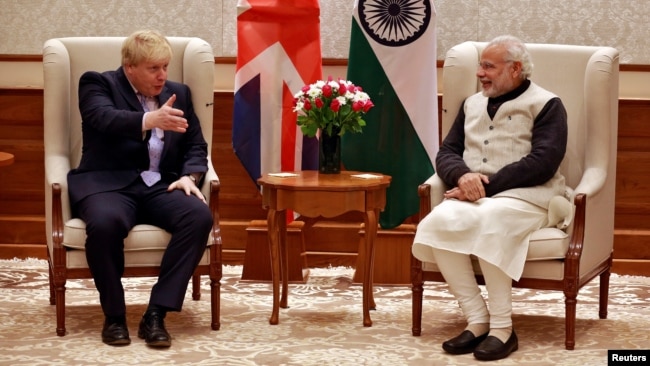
333, 108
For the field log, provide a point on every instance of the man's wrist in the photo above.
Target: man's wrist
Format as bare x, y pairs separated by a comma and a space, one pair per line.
192, 178
144, 122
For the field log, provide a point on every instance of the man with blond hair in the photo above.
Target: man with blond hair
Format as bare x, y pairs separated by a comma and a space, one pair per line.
143, 156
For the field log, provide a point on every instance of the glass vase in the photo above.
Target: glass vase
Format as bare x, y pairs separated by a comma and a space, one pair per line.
329, 153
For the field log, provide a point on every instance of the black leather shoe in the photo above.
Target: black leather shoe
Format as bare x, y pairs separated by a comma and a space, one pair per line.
152, 330
466, 342
493, 349
115, 333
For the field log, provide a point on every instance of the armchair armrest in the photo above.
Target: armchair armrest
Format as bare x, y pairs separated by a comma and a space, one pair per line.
56, 172
55, 229
593, 180
56, 201
431, 193
210, 175
574, 252
210, 189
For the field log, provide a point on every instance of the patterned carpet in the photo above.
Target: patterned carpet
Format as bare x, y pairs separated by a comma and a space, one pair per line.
323, 325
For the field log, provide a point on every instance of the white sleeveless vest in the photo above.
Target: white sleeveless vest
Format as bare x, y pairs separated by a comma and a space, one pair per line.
492, 144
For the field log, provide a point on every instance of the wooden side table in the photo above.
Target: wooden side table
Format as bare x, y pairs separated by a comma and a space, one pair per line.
328, 195
6, 158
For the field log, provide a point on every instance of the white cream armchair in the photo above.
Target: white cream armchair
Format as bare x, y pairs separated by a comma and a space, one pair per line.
64, 61
580, 248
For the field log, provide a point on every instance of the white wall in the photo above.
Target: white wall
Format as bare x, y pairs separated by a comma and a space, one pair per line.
25, 25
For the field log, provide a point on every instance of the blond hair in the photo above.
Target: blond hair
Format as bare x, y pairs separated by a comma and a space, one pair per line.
145, 45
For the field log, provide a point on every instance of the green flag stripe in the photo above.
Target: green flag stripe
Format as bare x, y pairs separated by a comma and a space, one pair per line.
389, 144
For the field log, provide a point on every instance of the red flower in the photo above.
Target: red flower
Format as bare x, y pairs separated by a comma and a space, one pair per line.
367, 106
327, 91
342, 89
307, 105
335, 105
319, 103
357, 106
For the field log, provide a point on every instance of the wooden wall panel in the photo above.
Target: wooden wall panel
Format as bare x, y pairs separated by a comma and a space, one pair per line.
632, 220
22, 213
22, 199
633, 166
240, 198
21, 133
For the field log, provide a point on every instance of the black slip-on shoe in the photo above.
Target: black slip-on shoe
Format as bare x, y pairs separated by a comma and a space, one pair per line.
493, 349
464, 343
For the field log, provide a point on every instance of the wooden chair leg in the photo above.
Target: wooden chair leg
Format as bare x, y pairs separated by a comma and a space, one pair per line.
417, 290
215, 302
570, 319
604, 294
196, 287
59, 294
416, 296
51, 281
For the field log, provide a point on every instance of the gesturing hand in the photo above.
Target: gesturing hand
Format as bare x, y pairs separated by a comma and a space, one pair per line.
167, 117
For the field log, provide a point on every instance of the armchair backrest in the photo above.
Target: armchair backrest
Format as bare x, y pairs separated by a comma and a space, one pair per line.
586, 79
66, 59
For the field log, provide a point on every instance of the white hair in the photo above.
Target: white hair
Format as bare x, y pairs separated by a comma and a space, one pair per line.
517, 52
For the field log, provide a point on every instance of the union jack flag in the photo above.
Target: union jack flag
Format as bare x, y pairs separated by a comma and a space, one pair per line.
278, 51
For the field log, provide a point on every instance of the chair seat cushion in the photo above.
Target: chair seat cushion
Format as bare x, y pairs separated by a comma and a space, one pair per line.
545, 244
141, 237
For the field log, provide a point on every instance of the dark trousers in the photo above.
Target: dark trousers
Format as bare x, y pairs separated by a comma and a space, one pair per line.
110, 215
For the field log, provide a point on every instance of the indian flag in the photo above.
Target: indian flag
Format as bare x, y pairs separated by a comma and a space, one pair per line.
393, 58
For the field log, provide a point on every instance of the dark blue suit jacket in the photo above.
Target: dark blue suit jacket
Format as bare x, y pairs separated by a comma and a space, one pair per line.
114, 151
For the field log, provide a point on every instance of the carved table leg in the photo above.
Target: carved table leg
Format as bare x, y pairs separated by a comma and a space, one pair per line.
284, 258
368, 298
274, 246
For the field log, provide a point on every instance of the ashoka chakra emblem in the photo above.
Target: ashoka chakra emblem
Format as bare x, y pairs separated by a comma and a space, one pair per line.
394, 22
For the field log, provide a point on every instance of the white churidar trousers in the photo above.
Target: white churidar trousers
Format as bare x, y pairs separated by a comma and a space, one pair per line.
496, 231
458, 272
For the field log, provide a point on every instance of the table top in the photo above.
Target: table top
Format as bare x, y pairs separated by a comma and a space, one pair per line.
6, 158
312, 179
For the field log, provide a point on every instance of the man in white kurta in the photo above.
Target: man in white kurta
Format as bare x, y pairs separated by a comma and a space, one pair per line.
500, 161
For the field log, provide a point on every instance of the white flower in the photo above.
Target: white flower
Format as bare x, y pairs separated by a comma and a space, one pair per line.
299, 106
314, 92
